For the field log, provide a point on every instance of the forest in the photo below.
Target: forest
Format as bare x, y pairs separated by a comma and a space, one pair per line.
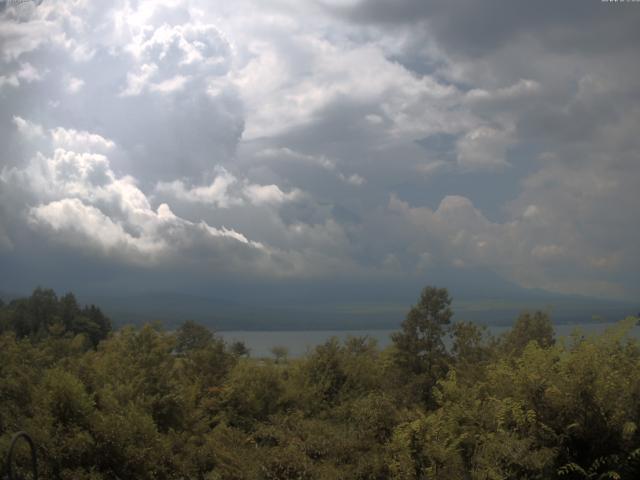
445, 401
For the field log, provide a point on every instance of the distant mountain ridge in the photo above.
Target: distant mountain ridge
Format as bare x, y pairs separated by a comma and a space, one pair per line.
480, 296
222, 314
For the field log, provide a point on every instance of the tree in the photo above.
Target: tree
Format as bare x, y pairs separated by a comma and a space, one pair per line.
420, 350
193, 336
239, 349
324, 372
43, 307
69, 310
43, 314
252, 393
98, 326
536, 327
472, 348
280, 353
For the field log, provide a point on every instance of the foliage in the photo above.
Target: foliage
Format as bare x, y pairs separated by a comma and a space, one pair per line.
149, 404
420, 351
529, 327
280, 353
43, 314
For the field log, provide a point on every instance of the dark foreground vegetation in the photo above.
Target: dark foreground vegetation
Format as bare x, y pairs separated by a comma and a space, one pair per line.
148, 404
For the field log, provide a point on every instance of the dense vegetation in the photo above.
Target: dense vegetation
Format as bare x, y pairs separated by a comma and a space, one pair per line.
149, 404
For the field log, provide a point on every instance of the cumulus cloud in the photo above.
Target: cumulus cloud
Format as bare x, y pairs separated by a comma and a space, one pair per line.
171, 56
361, 73
78, 199
269, 194
82, 141
271, 136
73, 196
225, 191
537, 246
217, 193
83, 225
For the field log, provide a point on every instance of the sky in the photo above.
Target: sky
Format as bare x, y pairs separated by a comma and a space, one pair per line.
344, 147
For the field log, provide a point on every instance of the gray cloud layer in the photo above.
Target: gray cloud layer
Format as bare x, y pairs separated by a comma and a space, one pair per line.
326, 140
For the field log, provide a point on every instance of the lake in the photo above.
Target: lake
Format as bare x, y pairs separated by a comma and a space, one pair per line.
299, 342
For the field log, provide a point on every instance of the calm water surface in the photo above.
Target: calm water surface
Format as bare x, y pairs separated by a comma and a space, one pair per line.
299, 342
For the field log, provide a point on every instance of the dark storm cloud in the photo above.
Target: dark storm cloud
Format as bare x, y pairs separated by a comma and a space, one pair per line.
476, 28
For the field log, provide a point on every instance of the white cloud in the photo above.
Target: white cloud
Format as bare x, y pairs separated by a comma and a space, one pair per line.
29, 73
170, 85
75, 198
361, 74
80, 201
269, 194
74, 84
286, 153
321, 161
483, 148
217, 193
82, 225
225, 191
521, 89
353, 179
81, 141
28, 129
170, 56
137, 82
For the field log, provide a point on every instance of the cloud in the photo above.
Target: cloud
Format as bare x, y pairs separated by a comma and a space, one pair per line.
483, 147
536, 247
118, 70
224, 191
327, 138
269, 194
74, 84
28, 129
287, 155
548, 252
83, 225
72, 196
171, 56
472, 29
217, 193
161, 233
360, 73
82, 141
26, 73
353, 179
80, 201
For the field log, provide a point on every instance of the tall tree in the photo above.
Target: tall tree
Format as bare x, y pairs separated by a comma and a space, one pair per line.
420, 349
